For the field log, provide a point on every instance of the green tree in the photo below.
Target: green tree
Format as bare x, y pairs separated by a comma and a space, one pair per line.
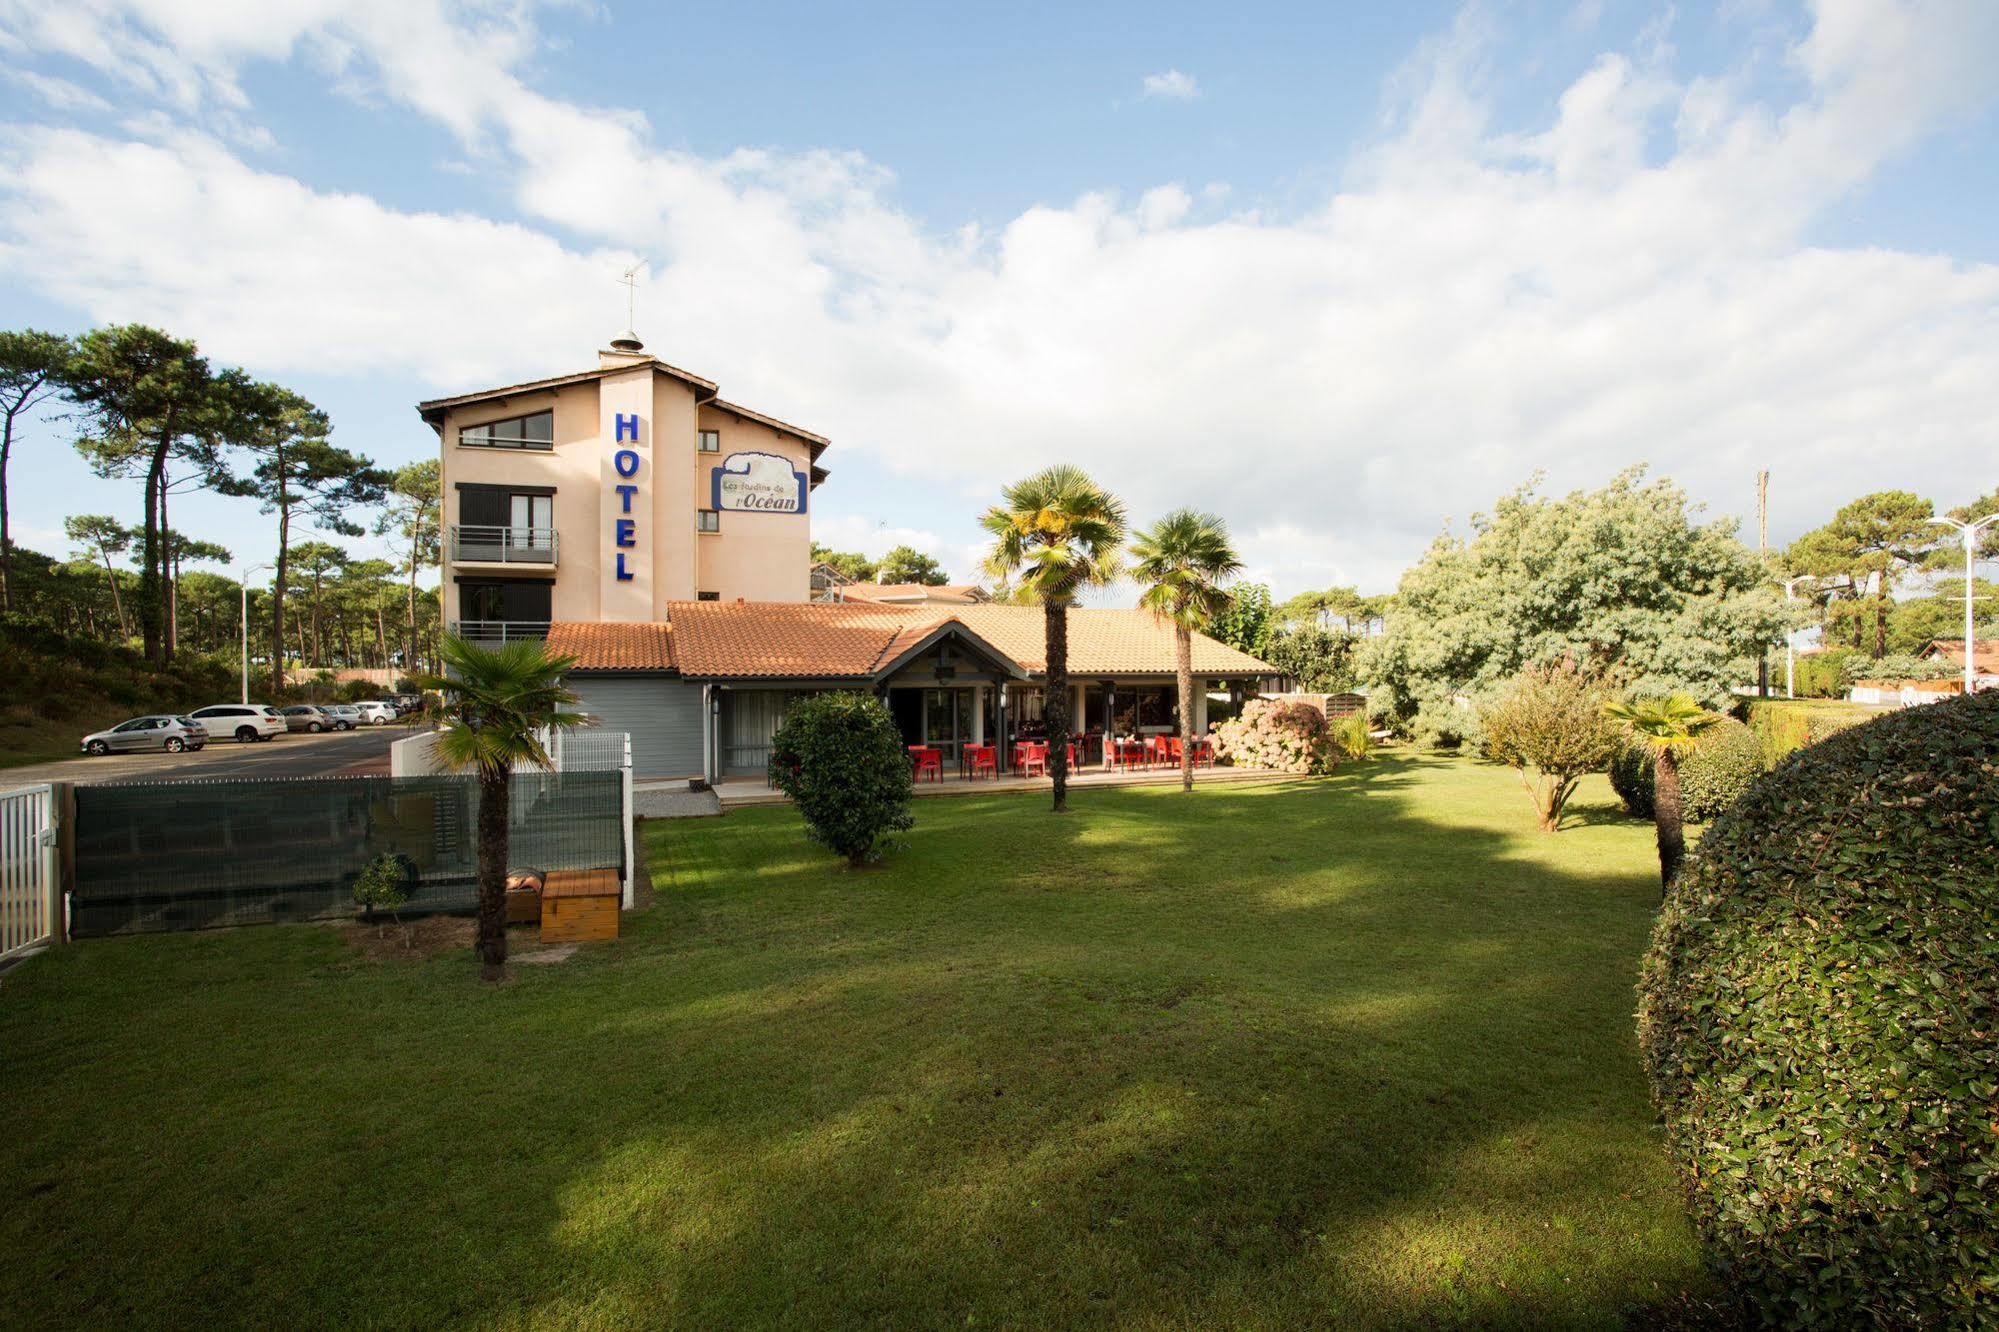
411, 513
1322, 661
1988, 541
497, 705
148, 398
107, 536
34, 368
1182, 561
1620, 578
906, 564
300, 473
1055, 534
1669, 727
315, 562
1871, 544
1341, 608
847, 563
1916, 622
1549, 725
1247, 622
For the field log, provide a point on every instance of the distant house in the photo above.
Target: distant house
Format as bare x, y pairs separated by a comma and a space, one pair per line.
1984, 659
1903, 693
915, 594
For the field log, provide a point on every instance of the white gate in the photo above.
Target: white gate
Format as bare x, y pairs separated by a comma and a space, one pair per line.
28, 871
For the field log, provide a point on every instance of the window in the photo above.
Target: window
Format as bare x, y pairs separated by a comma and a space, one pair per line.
710, 441
536, 431
707, 520
707, 596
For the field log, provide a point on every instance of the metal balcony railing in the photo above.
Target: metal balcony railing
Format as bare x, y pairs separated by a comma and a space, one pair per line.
473, 543
492, 633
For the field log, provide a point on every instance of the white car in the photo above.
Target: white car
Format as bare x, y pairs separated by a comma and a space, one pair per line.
376, 713
245, 721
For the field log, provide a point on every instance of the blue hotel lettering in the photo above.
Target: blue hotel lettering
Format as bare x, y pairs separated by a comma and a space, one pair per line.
626, 462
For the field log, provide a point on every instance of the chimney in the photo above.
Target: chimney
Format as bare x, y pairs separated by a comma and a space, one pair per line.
625, 349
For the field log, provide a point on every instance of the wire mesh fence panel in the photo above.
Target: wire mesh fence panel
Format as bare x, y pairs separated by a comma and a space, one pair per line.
592, 749
189, 855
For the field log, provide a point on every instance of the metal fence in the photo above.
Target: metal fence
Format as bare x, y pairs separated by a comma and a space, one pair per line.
27, 868
190, 855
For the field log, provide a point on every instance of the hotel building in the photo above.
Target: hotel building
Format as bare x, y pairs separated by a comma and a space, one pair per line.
661, 536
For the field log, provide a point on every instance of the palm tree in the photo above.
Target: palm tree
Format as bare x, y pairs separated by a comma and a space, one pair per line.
1183, 562
1055, 534
1669, 727
497, 704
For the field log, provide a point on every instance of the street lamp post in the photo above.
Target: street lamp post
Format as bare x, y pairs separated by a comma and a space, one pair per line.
1969, 533
243, 622
1791, 639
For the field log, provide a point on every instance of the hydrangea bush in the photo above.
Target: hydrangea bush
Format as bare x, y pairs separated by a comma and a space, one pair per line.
1277, 737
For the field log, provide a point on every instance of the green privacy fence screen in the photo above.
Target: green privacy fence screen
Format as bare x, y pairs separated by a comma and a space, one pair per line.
190, 855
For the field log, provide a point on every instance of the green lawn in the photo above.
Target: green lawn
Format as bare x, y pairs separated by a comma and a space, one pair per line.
1352, 1052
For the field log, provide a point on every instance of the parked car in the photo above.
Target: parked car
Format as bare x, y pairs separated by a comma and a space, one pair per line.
245, 721
376, 713
167, 732
242, 721
344, 716
306, 717
406, 703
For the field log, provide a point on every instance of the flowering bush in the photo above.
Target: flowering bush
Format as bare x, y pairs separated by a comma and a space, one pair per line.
1279, 737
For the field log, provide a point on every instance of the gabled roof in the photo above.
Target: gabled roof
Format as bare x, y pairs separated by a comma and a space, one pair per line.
820, 640
817, 443
433, 411
1984, 653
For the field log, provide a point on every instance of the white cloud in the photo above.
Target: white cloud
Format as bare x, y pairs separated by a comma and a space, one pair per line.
1626, 282
1170, 85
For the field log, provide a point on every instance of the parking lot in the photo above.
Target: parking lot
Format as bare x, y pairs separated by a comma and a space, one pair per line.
295, 754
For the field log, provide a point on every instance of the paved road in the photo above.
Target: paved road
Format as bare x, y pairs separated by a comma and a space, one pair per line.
292, 755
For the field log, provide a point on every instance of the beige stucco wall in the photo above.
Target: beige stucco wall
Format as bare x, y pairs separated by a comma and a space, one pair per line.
572, 468
758, 557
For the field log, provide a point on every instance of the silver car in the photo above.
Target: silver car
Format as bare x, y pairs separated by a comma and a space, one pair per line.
173, 734
305, 717
341, 716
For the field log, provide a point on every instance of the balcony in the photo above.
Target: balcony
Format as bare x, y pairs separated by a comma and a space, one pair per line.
477, 544
494, 633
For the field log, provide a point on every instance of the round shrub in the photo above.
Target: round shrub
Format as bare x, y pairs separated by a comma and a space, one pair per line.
841, 760
1819, 1011
1713, 774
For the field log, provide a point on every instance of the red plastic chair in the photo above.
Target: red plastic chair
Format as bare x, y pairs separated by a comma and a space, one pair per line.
984, 759
932, 762
1031, 759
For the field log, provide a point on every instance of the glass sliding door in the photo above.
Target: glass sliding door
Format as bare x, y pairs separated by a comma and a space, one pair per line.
947, 721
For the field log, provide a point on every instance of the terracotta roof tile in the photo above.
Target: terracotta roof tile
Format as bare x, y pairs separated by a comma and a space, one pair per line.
1984, 653
612, 646
956, 594
839, 640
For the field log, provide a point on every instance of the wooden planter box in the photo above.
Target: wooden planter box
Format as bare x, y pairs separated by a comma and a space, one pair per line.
580, 906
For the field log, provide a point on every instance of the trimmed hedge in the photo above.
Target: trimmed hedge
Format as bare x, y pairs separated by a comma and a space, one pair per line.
1819, 1011
1713, 774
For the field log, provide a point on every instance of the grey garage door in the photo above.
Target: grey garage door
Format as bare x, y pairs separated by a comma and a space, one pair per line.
662, 716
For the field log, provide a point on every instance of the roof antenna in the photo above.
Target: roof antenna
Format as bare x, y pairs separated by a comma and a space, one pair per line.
629, 342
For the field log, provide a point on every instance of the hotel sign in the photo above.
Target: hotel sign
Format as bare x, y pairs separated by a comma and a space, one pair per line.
759, 483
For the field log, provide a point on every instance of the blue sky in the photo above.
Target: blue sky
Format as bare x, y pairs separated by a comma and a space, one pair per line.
1342, 273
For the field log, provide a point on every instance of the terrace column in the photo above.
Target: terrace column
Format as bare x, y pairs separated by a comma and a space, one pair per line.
978, 714
1200, 706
